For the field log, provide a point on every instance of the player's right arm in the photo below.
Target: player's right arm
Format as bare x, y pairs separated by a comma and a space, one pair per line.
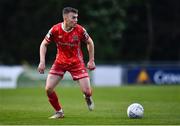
42, 51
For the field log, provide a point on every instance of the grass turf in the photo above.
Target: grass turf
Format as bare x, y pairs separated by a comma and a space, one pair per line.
29, 106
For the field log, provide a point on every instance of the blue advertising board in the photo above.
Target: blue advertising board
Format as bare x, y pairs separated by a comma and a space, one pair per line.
154, 75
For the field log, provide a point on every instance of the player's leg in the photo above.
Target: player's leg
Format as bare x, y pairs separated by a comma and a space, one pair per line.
87, 90
79, 73
51, 83
85, 86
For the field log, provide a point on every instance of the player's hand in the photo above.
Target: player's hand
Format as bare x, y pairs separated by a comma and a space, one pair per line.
91, 65
41, 68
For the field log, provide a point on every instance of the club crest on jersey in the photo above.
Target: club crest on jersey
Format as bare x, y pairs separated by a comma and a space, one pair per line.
75, 38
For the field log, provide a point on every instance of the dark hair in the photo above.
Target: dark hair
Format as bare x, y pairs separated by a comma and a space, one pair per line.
67, 10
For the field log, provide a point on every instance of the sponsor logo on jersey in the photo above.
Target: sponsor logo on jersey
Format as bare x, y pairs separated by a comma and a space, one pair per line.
67, 44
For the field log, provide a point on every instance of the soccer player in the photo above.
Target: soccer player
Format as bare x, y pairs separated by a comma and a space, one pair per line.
67, 36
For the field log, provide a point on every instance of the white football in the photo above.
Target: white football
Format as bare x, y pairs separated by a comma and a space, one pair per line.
135, 110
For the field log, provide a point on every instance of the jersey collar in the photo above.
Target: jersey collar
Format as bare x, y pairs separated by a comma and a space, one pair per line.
62, 26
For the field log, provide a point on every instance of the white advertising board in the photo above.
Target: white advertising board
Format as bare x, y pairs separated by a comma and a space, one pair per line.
107, 76
9, 76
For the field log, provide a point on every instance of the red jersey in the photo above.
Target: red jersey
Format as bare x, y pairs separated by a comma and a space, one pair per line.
68, 43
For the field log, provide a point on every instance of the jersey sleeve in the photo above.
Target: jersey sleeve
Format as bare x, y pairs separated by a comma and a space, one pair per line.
50, 35
85, 35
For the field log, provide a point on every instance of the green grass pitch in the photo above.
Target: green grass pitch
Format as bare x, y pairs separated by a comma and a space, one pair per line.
29, 106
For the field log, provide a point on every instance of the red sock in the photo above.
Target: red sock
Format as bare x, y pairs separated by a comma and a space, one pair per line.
53, 99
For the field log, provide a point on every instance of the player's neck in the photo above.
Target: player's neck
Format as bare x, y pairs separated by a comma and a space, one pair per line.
66, 28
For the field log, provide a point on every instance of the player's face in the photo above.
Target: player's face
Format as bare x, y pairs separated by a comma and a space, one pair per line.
71, 19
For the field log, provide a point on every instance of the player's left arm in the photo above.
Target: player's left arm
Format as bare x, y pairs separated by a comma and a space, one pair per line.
90, 46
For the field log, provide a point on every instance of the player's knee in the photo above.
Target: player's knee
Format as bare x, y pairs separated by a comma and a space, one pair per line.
48, 90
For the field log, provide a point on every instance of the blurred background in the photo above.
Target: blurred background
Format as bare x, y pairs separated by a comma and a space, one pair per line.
136, 41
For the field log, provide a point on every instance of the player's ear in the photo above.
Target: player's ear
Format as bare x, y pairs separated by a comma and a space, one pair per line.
65, 16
